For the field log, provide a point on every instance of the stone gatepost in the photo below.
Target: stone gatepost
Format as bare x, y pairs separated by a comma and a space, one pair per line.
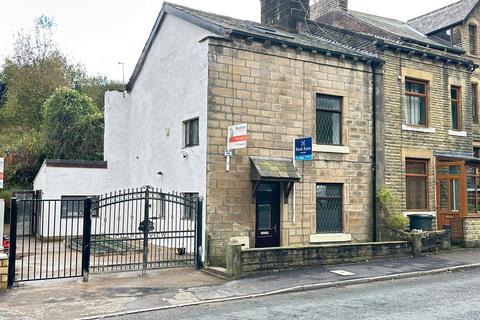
3, 271
471, 231
234, 260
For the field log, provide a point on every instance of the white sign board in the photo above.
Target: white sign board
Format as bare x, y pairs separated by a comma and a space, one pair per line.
237, 137
1, 173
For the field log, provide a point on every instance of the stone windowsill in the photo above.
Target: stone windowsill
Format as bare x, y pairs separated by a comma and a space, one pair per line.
330, 237
406, 127
457, 133
408, 213
331, 149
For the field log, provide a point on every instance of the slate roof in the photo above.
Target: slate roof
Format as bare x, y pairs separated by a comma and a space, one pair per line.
444, 17
274, 168
246, 27
401, 29
224, 27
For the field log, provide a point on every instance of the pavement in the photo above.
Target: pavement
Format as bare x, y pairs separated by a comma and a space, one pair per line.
124, 294
434, 297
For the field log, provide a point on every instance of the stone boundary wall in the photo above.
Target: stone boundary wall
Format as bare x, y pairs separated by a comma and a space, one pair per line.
422, 241
471, 231
3, 271
250, 261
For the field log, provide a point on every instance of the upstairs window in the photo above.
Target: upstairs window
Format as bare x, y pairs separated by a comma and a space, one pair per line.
190, 128
329, 120
475, 102
455, 106
472, 37
416, 102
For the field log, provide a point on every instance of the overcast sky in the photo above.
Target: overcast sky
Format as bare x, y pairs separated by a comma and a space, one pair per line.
100, 33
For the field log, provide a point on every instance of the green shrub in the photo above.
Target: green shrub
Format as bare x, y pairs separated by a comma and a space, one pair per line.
389, 205
72, 126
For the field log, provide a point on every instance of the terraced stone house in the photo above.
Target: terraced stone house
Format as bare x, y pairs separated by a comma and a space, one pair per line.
428, 117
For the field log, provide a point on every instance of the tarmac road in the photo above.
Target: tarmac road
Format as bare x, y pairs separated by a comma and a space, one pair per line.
445, 296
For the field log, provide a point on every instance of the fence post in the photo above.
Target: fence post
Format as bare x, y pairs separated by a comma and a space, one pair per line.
13, 242
87, 234
145, 230
198, 234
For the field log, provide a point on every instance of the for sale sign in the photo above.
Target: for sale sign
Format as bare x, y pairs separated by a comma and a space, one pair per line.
237, 137
1, 172
304, 149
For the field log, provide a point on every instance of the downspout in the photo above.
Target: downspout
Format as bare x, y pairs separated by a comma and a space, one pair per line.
374, 151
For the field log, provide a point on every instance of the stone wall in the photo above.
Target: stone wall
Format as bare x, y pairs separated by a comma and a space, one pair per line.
400, 142
471, 231
273, 90
3, 271
276, 259
460, 37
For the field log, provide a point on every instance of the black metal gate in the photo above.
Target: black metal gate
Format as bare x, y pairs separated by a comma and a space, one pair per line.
134, 229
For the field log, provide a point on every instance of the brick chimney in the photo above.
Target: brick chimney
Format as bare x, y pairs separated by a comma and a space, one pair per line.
321, 7
285, 13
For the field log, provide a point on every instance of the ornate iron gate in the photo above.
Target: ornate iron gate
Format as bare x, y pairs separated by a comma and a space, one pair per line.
134, 229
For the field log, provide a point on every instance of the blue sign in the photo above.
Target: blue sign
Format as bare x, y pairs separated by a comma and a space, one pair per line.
304, 149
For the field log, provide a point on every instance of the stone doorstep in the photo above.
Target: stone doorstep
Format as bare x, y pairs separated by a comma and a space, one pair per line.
217, 272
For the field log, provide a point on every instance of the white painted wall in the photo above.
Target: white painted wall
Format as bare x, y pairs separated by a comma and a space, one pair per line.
56, 182
116, 140
144, 127
171, 88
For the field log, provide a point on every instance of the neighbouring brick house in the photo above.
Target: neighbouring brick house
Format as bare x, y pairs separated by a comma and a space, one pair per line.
427, 118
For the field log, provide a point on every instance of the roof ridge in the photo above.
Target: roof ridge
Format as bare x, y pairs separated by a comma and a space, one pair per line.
375, 15
435, 11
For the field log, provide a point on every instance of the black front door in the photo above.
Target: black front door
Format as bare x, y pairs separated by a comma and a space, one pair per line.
267, 233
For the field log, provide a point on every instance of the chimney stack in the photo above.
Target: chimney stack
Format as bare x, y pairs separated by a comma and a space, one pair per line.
285, 13
321, 7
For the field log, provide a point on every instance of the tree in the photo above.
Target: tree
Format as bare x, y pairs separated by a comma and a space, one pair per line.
72, 126
35, 70
96, 86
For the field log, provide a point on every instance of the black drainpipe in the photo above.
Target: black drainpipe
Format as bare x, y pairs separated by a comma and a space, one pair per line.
374, 150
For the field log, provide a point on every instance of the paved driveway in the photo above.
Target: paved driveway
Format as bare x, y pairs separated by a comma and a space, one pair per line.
70, 299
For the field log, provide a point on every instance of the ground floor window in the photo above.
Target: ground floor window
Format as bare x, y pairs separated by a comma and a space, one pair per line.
329, 208
74, 206
190, 205
476, 152
473, 188
416, 176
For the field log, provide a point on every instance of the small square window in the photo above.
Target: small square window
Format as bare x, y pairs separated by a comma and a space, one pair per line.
191, 128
